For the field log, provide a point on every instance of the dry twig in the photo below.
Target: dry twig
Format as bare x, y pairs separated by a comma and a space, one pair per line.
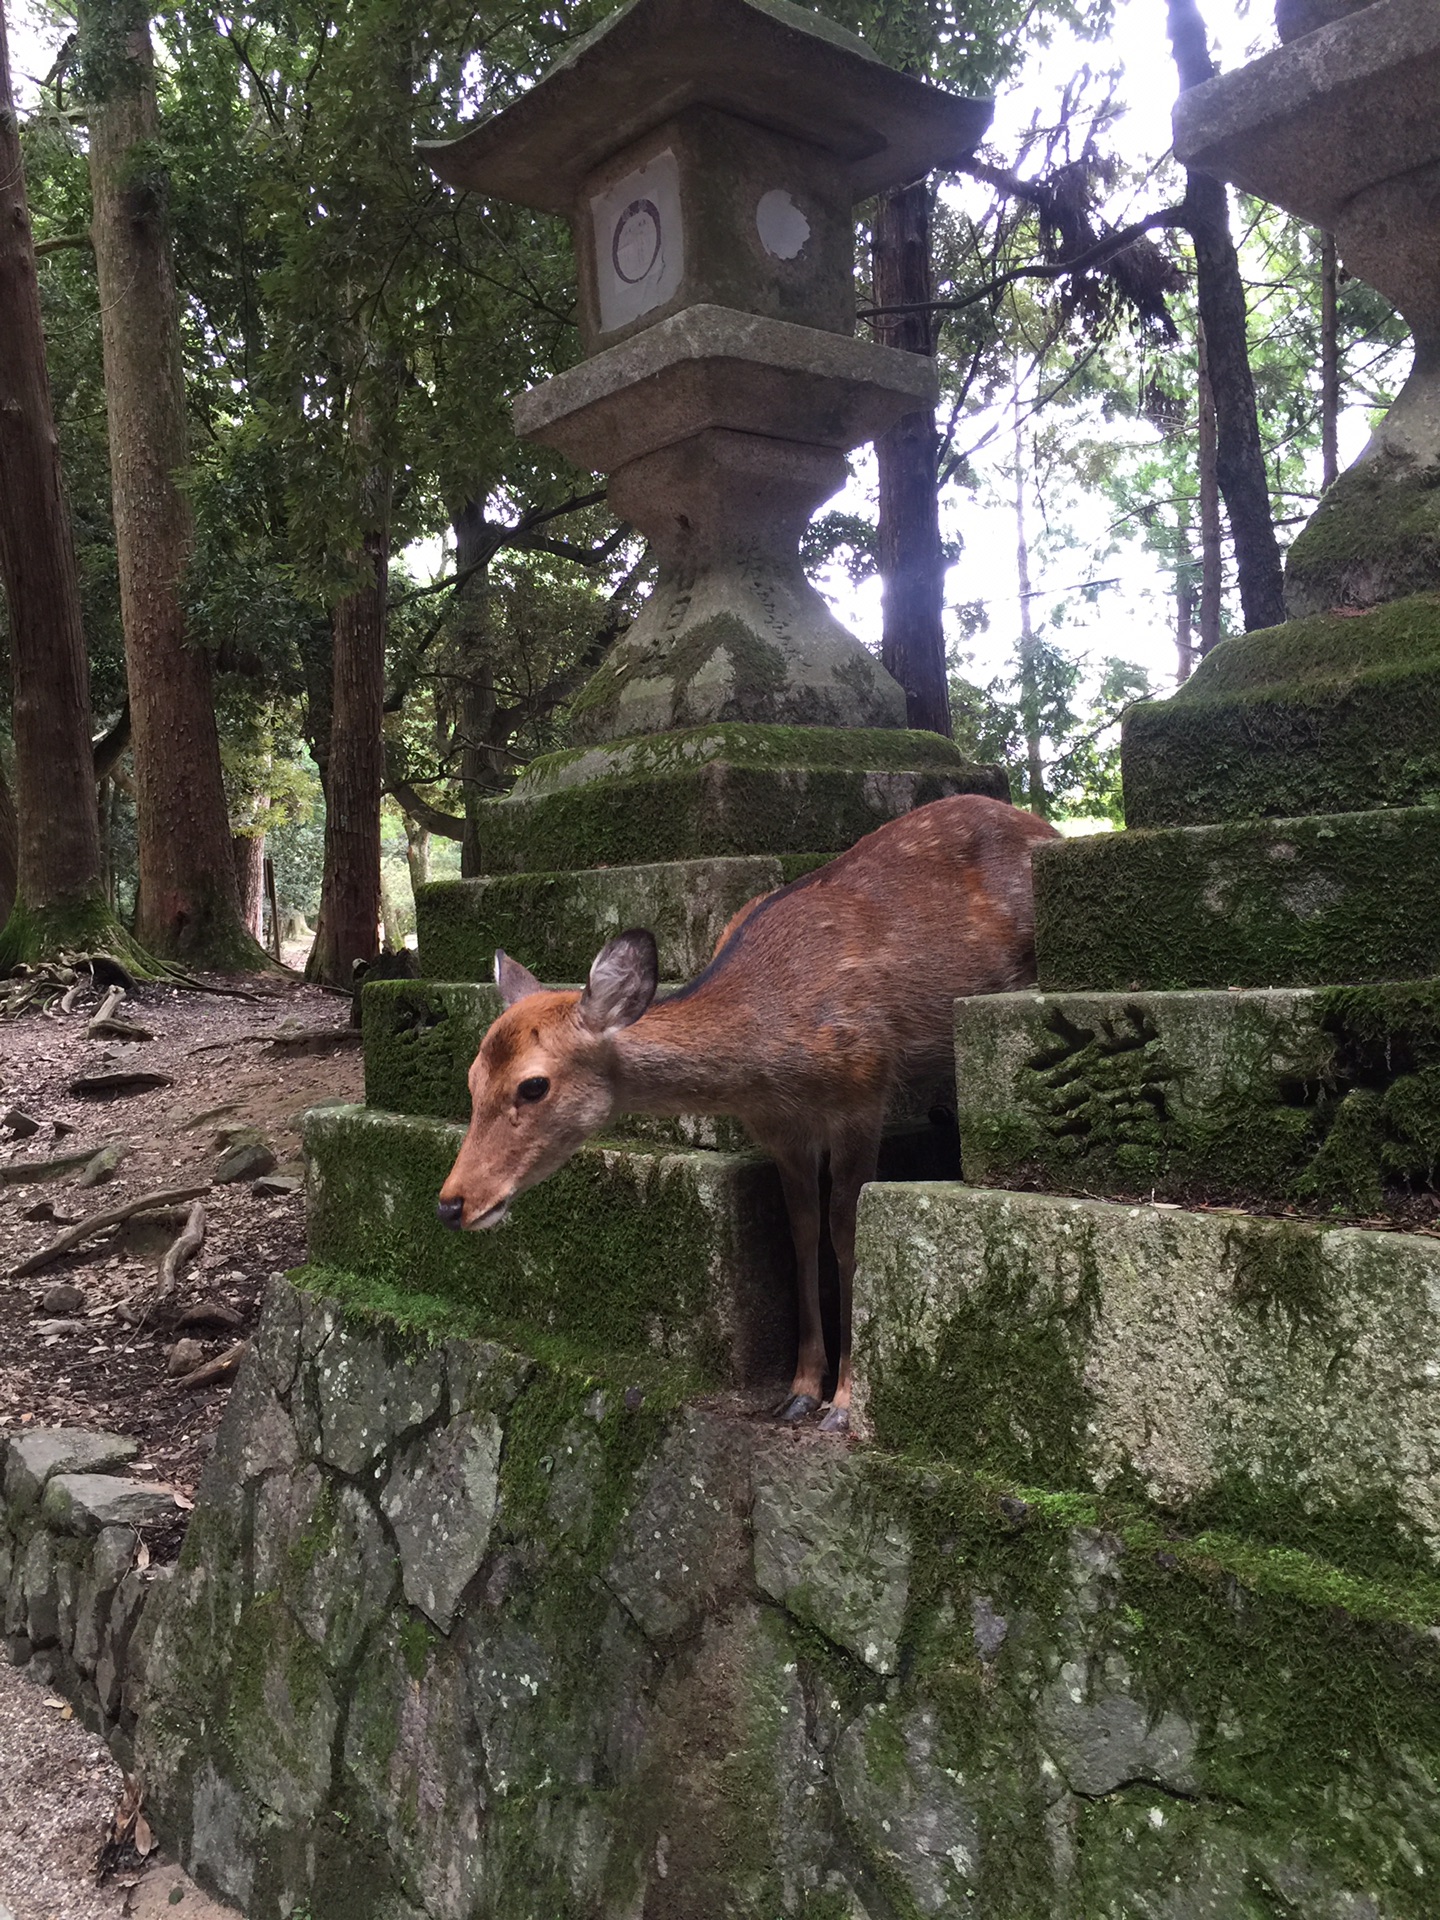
213, 1371
97, 1222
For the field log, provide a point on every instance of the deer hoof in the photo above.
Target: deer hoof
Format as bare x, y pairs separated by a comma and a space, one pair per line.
836, 1420
798, 1407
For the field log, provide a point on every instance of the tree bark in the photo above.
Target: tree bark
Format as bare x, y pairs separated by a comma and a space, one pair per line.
912, 562
417, 852
1212, 558
1240, 459
347, 929
1184, 622
249, 851
50, 862
477, 700
188, 906
1329, 362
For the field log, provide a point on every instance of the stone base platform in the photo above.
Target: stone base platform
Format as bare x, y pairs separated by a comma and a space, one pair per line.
1265, 1376
1332, 714
1257, 903
1327, 1099
461, 1634
720, 791
555, 923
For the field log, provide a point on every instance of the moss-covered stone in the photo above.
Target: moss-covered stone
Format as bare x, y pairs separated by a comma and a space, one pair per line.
1329, 1099
1075, 1343
704, 792
629, 1248
555, 923
1374, 537
1081, 1711
1266, 903
1330, 714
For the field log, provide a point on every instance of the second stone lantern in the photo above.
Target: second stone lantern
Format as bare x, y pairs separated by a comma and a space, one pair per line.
708, 154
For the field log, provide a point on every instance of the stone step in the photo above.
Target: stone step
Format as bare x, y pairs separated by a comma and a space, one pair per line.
651, 1249
1326, 715
555, 923
1273, 1378
707, 792
1325, 1098
1258, 903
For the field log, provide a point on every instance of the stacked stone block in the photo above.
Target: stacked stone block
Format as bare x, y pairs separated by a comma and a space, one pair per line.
73, 1580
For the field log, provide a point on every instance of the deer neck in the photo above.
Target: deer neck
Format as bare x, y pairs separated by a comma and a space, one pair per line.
681, 1058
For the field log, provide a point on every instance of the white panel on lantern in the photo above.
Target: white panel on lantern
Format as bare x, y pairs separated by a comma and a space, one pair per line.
639, 243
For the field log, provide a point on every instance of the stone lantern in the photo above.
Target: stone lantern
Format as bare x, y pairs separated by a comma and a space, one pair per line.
708, 154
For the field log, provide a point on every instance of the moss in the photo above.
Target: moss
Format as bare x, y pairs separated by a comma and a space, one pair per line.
1329, 1100
420, 1038
417, 1638
1279, 1271
1322, 715
842, 749
633, 1249
35, 934
557, 922
712, 810
1374, 537
1268, 903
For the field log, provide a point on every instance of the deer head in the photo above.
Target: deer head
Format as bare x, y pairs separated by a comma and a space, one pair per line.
543, 1080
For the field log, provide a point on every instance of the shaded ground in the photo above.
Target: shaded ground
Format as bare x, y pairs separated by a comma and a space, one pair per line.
86, 1366
58, 1787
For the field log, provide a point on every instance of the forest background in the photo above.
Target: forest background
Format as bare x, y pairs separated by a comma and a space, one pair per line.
329, 605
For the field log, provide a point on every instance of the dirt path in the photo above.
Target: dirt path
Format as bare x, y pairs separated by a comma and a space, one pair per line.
58, 1787
80, 1365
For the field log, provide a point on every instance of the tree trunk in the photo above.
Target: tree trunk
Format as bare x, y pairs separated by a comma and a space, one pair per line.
9, 840
1212, 558
1329, 362
1036, 798
1240, 459
249, 851
417, 852
1184, 622
350, 889
188, 905
912, 563
50, 862
477, 699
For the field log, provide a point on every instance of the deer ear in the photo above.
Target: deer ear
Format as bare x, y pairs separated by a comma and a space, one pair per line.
513, 980
623, 979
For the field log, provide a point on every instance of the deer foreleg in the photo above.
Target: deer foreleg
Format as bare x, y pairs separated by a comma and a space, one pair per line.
853, 1159
800, 1178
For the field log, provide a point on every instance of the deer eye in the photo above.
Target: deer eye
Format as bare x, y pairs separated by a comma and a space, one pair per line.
535, 1089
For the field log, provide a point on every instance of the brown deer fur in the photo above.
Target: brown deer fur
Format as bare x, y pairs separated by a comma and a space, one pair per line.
820, 1000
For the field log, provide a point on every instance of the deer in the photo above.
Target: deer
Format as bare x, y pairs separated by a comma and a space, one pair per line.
821, 1000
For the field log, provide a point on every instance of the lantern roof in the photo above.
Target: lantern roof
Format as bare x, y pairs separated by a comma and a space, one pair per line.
766, 61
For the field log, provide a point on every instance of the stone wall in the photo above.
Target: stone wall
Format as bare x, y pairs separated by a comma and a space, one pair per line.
461, 1634
75, 1573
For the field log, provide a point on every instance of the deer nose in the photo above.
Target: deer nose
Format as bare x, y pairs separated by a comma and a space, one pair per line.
451, 1212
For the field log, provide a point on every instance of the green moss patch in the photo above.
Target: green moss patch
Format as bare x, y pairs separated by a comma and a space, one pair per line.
627, 1248
688, 812
1268, 903
1330, 714
1374, 537
557, 922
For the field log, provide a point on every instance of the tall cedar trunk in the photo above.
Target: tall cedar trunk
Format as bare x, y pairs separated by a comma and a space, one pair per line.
50, 835
355, 772
1212, 559
9, 845
1037, 798
1240, 459
249, 851
188, 905
1329, 362
477, 698
912, 563
1184, 623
